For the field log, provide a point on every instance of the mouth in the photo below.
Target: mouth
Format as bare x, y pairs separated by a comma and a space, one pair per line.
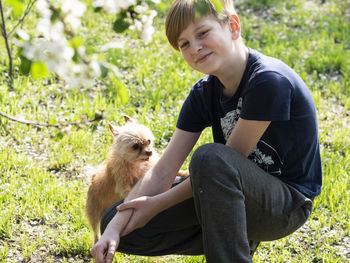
201, 59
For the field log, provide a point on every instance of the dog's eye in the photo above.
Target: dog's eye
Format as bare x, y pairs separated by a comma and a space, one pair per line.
135, 146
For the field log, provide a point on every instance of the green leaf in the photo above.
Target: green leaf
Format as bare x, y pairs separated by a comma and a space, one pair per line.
25, 65
58, 136
76, 42
97, 9
17, 6
120, 25
104, 70
218, 5
55, 14
201, 8
39, 70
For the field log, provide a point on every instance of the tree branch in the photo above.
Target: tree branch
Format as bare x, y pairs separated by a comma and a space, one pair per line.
26, 12
4, 34
98, 116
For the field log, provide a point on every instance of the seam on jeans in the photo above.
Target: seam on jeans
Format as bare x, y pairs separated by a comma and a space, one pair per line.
202, 211
204, 222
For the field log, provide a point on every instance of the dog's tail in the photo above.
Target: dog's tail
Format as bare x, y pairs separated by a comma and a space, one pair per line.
90, 171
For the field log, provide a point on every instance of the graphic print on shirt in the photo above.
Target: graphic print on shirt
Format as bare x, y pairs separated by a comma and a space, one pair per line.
228, 122
267, 158
263, 154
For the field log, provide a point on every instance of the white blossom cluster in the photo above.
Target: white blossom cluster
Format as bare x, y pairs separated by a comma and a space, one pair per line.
113, 6
52, 47
143, 23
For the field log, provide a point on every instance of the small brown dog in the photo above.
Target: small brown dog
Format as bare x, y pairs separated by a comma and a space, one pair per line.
130, 156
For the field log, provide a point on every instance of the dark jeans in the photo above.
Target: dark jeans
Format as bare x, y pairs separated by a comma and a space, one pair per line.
234, 201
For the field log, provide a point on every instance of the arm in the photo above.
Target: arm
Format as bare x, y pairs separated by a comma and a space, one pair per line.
246, 135
243, 138
156, 181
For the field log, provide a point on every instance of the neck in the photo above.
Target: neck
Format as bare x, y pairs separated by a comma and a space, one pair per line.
232, 75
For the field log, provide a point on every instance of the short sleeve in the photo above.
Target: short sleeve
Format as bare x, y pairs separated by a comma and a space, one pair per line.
268, 98
194, 112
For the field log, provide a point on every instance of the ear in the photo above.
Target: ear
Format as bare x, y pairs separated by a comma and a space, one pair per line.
235, 26
129, 119
113, 130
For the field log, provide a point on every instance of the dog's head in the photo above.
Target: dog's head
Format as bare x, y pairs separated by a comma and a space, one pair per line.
133, 141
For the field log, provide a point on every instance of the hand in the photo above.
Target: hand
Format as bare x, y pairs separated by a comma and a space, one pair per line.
103, 251
144, 209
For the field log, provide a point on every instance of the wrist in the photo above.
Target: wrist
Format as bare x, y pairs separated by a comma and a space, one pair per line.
118, 222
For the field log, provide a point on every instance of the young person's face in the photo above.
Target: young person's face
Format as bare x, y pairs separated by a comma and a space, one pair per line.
206, 45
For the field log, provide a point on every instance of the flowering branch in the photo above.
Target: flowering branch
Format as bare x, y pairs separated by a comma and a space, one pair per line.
56, 48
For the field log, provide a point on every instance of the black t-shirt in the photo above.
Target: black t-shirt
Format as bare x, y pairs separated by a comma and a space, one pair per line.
269, 91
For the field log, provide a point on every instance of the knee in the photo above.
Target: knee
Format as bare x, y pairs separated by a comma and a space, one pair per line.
201, 160
206, 160
212, 162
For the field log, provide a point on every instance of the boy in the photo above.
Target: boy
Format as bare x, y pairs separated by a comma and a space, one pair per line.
255, 183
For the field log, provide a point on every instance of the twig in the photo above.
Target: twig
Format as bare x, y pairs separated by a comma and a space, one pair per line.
4, 34
26, 12
98, 117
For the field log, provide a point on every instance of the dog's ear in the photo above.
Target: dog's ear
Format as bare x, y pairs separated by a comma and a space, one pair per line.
129, 119
113, 130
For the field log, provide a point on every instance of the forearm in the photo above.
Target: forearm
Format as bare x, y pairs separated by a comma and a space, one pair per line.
154, 182
143, 187
118, 222
175, 195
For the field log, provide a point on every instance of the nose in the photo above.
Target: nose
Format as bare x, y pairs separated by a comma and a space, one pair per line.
196, 46
148, 153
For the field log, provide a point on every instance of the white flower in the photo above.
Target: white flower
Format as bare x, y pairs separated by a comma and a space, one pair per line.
138, 25
73, 7
125, 4
82, 74
140, 9
72, 11
43, 8
28, 51
73, 21
108, 6
22, 34
144, 22
113, 45
147, 33
113, 6
153, 14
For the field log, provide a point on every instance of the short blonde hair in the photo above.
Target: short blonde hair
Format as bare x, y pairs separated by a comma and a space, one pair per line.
182, 13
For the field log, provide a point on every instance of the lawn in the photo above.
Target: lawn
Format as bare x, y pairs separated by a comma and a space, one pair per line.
42, 169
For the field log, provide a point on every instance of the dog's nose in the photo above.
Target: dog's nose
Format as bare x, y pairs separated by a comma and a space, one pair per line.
148, 153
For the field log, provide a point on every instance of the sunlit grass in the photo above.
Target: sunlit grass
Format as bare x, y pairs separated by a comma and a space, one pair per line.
42, 184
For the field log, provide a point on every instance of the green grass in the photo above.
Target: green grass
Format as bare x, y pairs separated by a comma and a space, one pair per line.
42, 181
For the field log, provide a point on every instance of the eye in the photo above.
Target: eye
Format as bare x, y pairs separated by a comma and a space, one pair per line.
184, 45
203, 33
135, 146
